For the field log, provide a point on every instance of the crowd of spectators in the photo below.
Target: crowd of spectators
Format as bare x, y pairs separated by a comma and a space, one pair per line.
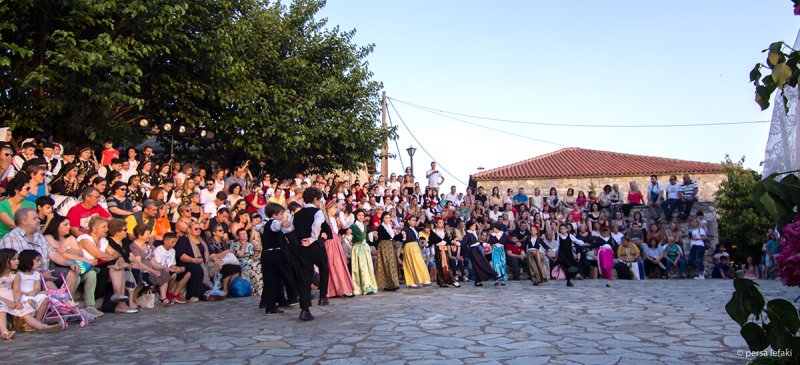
132, 226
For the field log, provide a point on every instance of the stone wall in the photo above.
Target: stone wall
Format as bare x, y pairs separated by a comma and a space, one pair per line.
708, 184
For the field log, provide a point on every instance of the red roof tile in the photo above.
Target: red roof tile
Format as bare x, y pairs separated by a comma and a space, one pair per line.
579, 162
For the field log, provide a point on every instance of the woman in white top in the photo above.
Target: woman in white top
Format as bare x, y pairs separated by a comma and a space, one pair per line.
697, 236
95, 248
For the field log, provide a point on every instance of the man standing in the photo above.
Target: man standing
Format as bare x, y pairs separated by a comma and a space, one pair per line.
308, 228
435, 177
688, 196
655, 195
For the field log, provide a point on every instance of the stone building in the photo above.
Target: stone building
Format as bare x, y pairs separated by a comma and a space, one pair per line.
584, 169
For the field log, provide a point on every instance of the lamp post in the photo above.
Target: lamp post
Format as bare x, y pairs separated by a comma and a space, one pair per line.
411, 150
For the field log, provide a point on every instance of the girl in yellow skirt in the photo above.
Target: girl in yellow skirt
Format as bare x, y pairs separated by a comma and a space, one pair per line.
361, 261
414, 268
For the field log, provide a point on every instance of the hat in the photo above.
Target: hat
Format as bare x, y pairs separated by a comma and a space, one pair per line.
85, 148
48, 145
28, 145
70, 151
116, 161
36, 161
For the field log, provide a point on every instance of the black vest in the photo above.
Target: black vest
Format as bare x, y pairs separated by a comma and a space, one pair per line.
270, 239
303, 220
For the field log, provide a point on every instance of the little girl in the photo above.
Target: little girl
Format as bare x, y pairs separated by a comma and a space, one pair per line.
10, 303
749, 269
427, 256
28, 283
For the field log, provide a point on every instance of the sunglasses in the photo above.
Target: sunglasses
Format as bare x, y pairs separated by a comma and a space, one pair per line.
195, 229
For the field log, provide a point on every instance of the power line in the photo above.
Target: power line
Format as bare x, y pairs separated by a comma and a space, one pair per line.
420, 144
399, 154
422, 107
493, 129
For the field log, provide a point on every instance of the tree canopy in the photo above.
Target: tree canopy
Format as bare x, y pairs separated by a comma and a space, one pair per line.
740, 222
272, 81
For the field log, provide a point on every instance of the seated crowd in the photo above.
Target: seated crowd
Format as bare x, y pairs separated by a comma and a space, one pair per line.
131, 229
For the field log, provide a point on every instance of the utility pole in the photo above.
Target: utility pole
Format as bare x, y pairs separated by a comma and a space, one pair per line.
385, 150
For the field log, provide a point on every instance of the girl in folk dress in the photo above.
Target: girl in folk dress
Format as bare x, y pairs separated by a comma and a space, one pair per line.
361, 262
388, 254
498, 241
339, 283
414, 269
439, 240
483, 270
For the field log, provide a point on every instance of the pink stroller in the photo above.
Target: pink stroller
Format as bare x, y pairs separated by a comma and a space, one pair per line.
62, 305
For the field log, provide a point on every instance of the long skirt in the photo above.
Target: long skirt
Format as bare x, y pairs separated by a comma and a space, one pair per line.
605, 262
339, 281
443, 275
414, 269
388, 278
363, 273
483, 270
499, 261
537, 268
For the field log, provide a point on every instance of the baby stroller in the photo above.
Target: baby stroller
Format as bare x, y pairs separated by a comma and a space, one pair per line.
62, 305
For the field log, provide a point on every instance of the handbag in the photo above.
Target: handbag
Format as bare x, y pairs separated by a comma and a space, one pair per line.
230, 259
147, 300
557, 273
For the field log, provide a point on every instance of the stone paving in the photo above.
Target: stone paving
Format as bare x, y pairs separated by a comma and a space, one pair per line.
646, 322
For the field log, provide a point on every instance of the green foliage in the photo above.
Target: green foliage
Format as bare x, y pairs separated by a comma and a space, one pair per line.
782, 64
778, 196
272, 81
775, 326
741, 226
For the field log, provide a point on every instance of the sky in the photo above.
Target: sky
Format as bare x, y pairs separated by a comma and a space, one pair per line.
574, 62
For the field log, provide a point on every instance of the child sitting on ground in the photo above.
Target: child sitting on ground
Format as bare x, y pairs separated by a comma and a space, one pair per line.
165, 256
12, 305
28, 283
722, 270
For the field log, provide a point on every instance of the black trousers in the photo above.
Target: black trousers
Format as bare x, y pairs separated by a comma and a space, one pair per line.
275, 272
516, 264
306, 258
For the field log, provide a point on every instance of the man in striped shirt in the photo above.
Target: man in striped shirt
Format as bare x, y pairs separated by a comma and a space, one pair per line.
688, 196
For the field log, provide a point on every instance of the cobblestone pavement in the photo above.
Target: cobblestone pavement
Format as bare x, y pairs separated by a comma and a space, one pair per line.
646, 322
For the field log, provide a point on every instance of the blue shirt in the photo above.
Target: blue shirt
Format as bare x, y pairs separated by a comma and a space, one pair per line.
521, 199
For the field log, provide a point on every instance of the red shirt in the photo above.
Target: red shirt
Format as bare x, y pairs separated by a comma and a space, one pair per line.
516, 250
249, 199
635, 198
79, 216
108, 155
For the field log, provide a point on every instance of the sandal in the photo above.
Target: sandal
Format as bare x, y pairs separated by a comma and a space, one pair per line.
7, 335
166, 302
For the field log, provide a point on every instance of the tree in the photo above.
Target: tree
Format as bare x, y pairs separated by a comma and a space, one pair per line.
271, 81
741, 225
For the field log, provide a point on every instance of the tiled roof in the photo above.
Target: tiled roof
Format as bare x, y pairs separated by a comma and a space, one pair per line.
579, 162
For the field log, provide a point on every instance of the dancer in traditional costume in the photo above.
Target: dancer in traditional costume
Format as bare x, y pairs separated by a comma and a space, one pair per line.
361, 262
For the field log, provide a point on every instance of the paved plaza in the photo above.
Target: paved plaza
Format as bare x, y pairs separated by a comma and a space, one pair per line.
646, 322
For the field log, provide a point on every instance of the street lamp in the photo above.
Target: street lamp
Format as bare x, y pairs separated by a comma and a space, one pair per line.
411, 150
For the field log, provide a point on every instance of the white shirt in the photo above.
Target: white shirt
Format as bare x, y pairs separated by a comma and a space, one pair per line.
126, 174
211, 209
316, 226
207, 197
395, 186
695, 235
434, 178
673, 190
451, 197
102, 246
165, 257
